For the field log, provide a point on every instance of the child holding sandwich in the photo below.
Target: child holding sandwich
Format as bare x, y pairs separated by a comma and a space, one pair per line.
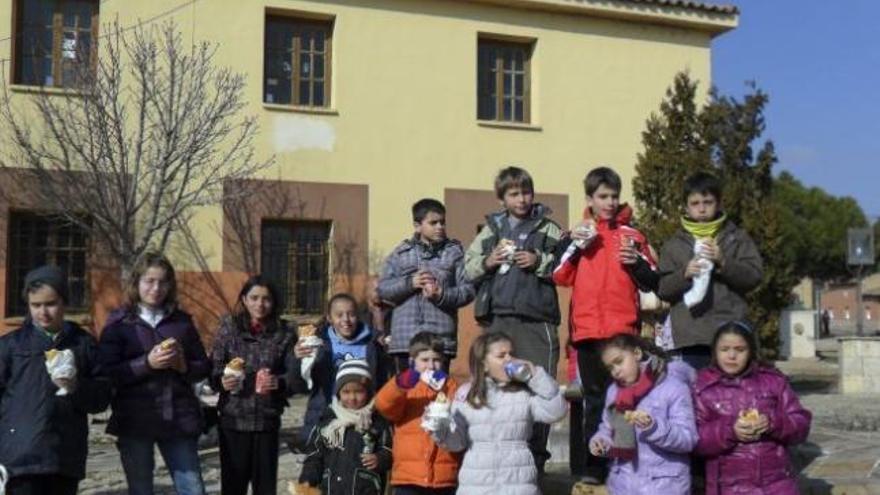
252, 354
152, 353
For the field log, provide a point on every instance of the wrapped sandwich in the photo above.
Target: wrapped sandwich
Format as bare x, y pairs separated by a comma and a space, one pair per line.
61, 365
308, 336
168, 344
438, 413
235, 368
509, 250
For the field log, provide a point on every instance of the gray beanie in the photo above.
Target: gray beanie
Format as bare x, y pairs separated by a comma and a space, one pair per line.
47, 275
352, 370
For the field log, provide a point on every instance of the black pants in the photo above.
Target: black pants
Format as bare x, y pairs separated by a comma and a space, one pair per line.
577, 442
42, 484
420, 490
537, 342
248, 458
595, 380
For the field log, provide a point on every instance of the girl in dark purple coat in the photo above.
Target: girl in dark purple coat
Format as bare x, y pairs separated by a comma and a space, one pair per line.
152, 353
747, 414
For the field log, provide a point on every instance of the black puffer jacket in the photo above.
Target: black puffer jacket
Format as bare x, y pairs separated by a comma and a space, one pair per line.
340, 471
40, 432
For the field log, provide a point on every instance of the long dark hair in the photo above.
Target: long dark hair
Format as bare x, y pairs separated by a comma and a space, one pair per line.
240, 316
630, 342
476, 396
747, 333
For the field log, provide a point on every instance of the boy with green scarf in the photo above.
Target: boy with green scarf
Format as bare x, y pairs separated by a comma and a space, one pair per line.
706, 269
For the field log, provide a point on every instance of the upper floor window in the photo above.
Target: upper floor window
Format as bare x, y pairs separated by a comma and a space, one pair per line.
504, 80
297, 61
54, 41
36, 240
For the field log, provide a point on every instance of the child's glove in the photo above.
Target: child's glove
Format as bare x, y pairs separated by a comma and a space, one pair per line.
408, 379
435, 379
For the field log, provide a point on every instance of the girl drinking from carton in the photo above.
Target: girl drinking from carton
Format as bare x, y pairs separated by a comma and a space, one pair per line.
349, 451
420, 397
318, 355
492, 419
747, 414
647, 427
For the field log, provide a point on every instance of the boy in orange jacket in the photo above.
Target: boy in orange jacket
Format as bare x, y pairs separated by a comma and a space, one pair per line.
419, 466
606, 261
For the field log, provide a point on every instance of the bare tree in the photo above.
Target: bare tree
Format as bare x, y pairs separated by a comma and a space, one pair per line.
149, 132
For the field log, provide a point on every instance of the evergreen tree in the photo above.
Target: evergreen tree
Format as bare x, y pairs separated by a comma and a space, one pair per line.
721, 137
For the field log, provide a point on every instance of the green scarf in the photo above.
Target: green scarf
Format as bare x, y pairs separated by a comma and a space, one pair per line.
703, 230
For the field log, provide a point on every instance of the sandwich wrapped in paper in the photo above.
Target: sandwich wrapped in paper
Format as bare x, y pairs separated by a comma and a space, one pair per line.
168, 344
61, 365
308, 336
235, 368
438, 413
509, 250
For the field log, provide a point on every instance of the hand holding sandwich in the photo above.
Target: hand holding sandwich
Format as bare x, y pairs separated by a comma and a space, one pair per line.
167, 355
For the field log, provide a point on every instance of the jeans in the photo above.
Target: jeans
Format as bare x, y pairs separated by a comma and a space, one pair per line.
181, 457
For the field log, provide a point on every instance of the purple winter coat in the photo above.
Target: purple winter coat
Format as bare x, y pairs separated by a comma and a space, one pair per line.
757, 468
152, 403
663, 463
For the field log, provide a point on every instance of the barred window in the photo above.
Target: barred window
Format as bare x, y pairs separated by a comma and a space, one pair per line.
297, 61
54, 40
295, 256
36, 240
504, 81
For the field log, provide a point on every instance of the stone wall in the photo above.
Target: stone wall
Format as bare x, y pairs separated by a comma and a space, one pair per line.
860, 365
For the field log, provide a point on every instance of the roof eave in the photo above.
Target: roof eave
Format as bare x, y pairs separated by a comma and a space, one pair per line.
713, 22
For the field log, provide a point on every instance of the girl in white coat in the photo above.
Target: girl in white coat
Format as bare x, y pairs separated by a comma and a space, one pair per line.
492, 418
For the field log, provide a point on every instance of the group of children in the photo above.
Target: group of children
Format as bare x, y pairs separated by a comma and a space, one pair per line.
649, 414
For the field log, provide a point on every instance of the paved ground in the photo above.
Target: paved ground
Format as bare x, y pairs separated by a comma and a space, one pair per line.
841, 456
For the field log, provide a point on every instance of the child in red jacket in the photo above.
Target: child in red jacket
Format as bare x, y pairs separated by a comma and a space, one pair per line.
606, 261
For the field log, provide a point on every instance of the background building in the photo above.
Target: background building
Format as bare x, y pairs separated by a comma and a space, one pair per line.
369, 105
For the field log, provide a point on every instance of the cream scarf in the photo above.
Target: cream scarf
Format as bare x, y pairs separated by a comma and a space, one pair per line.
361, 419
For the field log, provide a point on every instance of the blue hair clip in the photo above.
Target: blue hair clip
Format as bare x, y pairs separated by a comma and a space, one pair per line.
739, 324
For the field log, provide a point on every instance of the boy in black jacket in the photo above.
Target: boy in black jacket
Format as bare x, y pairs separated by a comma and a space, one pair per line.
350, 449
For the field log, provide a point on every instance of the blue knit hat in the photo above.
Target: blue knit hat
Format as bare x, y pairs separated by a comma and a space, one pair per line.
49, 275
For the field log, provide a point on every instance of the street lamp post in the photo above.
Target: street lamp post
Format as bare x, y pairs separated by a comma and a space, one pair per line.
860, 254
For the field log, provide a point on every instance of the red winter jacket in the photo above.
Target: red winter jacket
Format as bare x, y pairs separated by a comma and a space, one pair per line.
605, 299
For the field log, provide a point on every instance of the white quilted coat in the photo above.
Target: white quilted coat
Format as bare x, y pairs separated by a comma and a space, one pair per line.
497, 459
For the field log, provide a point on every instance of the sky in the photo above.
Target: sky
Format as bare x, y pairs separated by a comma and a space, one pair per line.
819, 62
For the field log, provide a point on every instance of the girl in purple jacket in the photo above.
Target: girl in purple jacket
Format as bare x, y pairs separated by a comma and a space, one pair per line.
647, 428
747, 414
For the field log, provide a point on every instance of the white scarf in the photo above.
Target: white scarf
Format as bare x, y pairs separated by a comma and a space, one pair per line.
361, 419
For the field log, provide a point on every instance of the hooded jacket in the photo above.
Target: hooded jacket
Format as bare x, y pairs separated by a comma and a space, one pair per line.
663, 462
605, 299
494, 438
527, 294
417, 458
756, 468
333, 351
414, 313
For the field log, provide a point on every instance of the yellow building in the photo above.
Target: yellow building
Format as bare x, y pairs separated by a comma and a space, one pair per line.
369, 105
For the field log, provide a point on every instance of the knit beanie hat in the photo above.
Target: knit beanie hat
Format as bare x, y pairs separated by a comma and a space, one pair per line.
47, 275
352, 370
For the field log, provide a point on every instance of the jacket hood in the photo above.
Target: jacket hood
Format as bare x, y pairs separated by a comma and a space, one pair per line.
539, 212
623, 217
362, 336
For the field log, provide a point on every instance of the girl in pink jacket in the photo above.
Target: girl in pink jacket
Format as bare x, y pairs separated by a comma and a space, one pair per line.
747, 414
